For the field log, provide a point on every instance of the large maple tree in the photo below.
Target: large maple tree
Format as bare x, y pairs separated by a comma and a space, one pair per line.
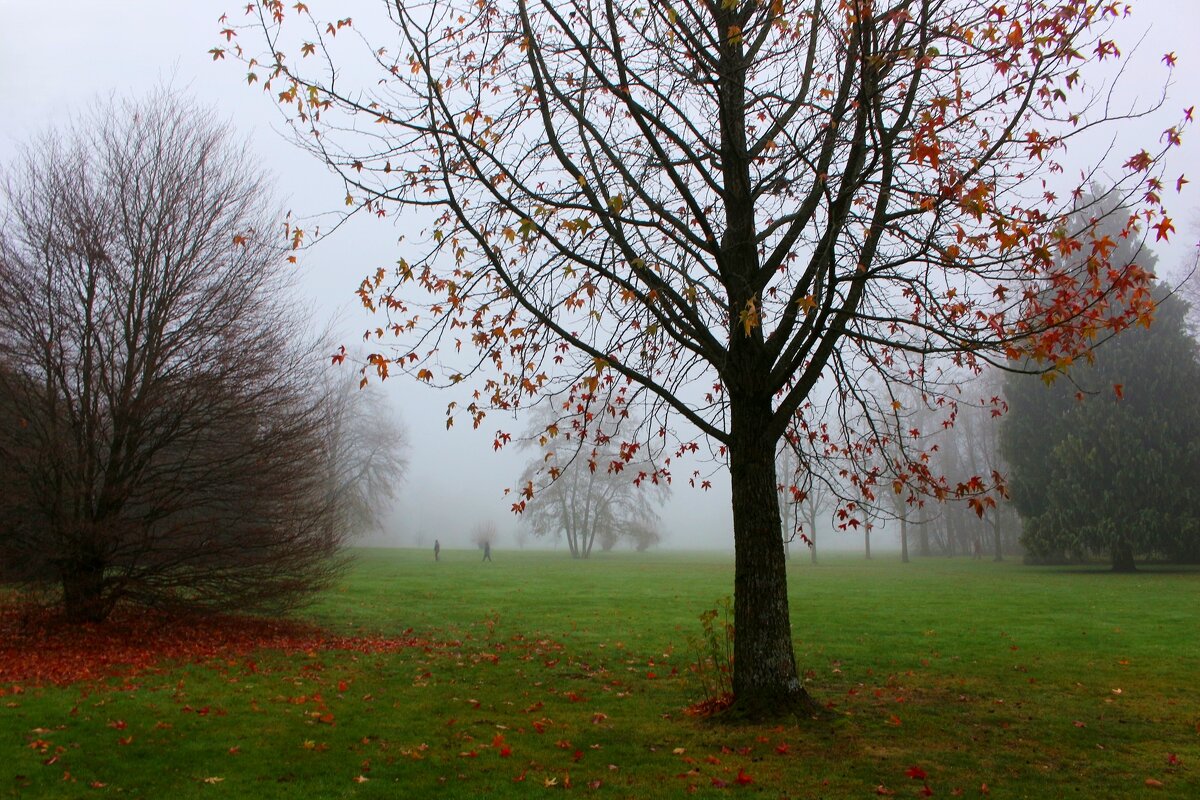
720, 211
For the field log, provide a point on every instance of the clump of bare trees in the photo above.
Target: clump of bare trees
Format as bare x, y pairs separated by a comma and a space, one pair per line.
592, 493
165, 427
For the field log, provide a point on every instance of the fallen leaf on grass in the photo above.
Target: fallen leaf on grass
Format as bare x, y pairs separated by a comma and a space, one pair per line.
916, 773
1154, 784
883, 790
361, 779
213, 779
743, 778
39, 645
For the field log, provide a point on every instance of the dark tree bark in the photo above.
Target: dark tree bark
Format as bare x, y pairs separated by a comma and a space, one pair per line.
84, 595
765, 682
1122, 555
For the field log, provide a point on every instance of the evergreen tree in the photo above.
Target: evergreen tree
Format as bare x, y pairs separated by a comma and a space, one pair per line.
1106, 460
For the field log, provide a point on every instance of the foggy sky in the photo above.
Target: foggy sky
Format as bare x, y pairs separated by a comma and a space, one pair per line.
56, 58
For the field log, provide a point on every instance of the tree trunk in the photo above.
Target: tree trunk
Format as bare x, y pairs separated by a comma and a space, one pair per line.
765, 681
923, 535
903, 537
1122, 556
996, 535
83, 590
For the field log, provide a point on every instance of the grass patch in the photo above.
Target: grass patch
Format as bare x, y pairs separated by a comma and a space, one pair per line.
542, 674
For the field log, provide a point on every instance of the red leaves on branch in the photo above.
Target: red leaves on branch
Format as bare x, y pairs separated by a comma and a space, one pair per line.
38, 646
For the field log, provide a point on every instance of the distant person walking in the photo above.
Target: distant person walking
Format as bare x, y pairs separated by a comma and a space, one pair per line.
487, 551
437, 550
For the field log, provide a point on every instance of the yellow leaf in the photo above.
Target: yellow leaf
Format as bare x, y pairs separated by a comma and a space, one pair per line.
749, 316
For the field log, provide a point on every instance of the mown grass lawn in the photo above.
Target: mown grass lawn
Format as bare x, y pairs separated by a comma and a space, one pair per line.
541, 675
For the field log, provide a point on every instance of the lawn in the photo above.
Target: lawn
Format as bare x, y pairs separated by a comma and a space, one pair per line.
536, 674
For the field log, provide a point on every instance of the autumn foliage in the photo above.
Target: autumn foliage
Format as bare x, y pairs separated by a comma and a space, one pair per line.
744, 222
40, 646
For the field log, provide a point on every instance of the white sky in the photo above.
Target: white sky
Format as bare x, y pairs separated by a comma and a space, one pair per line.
57, 57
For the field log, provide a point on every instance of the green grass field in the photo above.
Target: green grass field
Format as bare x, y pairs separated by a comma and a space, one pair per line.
545, 675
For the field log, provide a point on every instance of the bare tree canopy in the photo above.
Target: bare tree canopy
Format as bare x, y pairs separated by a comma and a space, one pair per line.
594, 494
164, 435
709, 208
365, 443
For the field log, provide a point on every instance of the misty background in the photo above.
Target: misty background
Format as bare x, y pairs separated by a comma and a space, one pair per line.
57, 59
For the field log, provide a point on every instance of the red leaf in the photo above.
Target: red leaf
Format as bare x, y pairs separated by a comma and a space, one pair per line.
743, 778
916, 773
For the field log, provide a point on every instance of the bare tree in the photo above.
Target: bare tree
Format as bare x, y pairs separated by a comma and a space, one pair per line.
169, 445
593, 494
366, 444
805, 500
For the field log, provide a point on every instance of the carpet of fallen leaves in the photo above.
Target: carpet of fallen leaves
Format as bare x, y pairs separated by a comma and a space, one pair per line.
38, 646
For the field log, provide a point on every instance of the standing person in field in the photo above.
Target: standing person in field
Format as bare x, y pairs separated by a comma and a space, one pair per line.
437, 550
487, 551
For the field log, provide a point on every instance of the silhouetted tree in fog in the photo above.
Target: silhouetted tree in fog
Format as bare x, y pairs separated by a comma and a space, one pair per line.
164, 437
